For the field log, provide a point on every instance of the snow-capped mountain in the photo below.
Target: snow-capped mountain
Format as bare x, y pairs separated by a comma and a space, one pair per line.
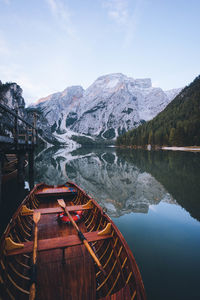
113, 104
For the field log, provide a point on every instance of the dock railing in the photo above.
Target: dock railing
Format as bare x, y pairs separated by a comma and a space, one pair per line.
15, 130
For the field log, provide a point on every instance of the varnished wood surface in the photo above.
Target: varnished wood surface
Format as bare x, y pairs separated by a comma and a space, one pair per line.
71, 278
54, 210
123, 294
70, 273
54, 191
58, 243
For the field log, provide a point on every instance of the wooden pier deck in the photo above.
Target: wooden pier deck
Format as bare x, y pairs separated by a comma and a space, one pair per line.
18, 137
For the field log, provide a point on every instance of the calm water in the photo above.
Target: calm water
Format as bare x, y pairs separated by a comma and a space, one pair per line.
154, 199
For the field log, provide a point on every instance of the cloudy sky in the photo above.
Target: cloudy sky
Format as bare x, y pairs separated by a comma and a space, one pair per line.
48, 45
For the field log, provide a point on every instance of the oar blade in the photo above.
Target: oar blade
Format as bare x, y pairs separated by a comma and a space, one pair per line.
61, 202
36, 217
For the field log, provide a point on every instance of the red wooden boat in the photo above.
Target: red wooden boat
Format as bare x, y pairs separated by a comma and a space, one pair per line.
85, 260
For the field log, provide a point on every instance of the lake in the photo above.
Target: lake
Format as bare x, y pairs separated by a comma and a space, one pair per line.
154, 199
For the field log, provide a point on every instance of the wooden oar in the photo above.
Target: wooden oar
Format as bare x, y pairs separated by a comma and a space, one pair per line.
81, 236
36, 218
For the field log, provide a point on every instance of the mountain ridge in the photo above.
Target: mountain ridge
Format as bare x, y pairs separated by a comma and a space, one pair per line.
113, 104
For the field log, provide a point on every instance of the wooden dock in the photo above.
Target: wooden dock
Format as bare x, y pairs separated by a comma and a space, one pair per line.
18, 138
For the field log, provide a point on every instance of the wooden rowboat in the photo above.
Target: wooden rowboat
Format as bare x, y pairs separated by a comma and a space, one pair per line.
67, 268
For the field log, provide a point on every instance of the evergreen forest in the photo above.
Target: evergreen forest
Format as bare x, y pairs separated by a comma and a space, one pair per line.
177, 125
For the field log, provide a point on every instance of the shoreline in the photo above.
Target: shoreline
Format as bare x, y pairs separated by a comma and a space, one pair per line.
186, 148
172, 148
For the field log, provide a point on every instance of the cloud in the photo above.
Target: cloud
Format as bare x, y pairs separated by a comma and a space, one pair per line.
63, 16
126, 14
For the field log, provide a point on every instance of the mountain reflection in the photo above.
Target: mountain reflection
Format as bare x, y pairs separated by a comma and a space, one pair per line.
177, 171
116, 183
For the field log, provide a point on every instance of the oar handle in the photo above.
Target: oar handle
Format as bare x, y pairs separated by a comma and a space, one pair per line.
87, 245
33, 273
32, 294
71, 219
81, 236
85, 242
94, 256
33, 282
35, 244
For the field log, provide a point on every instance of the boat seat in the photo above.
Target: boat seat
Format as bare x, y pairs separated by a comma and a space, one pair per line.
55, 191
56, 210
59, 242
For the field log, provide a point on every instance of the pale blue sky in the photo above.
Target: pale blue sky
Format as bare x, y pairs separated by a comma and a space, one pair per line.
48, 45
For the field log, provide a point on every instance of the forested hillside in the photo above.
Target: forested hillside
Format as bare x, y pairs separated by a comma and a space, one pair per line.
177, 125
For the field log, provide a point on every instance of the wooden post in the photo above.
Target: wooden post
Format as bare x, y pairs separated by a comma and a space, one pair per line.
32, 136
20, 167
36, 136
34, 124
31, 168
16, 129
26, 135
29, 134
1, 171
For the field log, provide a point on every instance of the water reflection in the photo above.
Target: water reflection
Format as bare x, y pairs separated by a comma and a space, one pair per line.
178, 172
117, 184
166, 241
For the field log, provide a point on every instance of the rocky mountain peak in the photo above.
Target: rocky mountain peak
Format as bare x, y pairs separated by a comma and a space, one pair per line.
72, 92
11, 95
113, 104
116, 81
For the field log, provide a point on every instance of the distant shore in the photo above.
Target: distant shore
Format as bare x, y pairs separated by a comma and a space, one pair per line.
186, 148
173, 148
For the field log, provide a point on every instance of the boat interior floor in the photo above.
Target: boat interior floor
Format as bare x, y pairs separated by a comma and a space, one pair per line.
59, 269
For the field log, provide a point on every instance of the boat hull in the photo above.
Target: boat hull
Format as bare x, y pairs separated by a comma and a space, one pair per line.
65, 268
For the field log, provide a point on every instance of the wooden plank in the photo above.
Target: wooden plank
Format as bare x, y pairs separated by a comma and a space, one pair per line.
72, 280
60, 242
55, 210
55, 191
